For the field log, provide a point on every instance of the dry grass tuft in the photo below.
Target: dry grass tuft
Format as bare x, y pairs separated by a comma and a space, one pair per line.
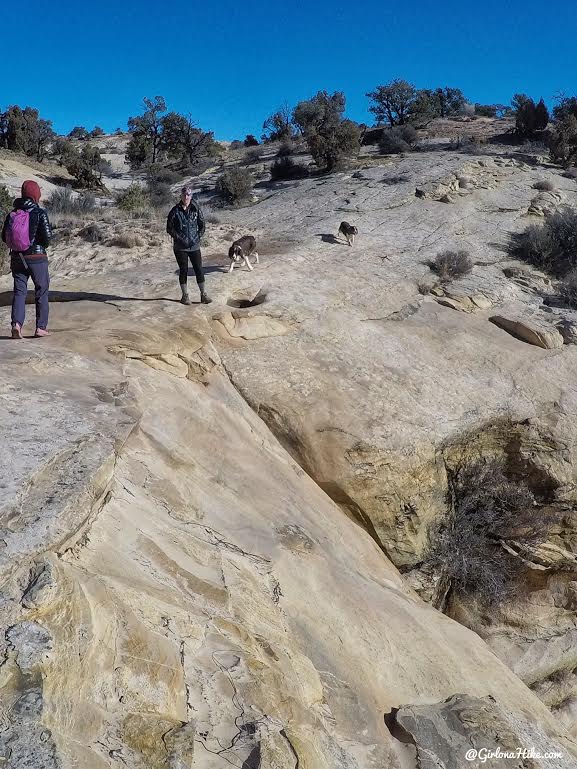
127, 240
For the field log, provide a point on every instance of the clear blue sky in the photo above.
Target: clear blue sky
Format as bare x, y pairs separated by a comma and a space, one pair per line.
230, 64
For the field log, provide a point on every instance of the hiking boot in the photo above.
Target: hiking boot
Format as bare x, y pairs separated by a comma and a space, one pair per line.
185, 299
16, 331
41, 332
205, 298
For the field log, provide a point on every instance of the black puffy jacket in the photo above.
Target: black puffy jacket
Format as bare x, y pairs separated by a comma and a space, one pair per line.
40, 230
186, 226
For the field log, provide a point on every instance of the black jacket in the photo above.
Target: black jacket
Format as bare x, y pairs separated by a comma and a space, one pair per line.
186, 227
40, 230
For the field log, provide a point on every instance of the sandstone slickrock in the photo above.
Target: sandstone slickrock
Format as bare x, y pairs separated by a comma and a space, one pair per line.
202, 524
186, 615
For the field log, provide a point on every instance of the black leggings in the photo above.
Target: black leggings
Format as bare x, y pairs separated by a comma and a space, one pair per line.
195, 257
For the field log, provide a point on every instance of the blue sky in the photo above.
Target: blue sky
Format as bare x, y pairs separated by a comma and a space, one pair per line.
230, 64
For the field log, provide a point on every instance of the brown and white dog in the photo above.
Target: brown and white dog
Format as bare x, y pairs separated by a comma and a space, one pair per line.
348, 231
242, 249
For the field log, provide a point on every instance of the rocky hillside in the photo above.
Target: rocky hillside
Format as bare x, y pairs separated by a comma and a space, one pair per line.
216, 520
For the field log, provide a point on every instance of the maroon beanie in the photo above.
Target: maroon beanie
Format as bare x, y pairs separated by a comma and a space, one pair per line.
31, 189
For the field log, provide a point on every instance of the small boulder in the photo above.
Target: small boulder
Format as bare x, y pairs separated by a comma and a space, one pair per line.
545, 203
462, 303
568, 330
530, 330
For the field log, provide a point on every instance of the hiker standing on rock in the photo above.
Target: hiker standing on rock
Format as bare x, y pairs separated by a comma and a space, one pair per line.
27, 233
185, 225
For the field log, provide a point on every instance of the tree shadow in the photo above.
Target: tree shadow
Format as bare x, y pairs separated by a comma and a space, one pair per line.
59, 181
430, 146
276, 184
390, 181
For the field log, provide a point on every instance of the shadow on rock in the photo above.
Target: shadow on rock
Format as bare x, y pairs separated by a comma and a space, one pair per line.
326, 238
83, 296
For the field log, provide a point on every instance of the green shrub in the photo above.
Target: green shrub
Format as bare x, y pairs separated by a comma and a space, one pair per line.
163, 175
330, 138
541, 115
397, 139
331, 148
23, 130
78, 132
286, 168
286, 149
5, 202
86, 166
252, 156
158, 186
63, 201
391, 143
159, 181
134, 199
486, 110
452, 264
408, 133
393, 102
563, 140
529, 117
160, 195
551, 247
5, 208
250, 141
235, 185
85, 203
279, 126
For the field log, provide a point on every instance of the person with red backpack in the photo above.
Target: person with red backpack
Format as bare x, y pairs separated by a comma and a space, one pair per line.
27, 233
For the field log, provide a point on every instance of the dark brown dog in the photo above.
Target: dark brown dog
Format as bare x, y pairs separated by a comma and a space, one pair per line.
242, 249
348, 231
